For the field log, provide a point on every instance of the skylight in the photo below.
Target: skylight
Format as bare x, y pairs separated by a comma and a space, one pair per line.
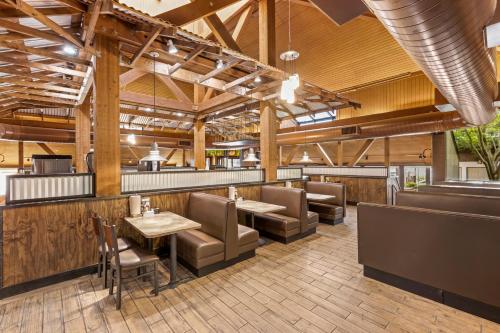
317, 118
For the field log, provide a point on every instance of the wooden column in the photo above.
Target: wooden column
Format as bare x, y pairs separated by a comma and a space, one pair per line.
20, 155
199, 132
340, 153
199, 145
267, 32
107, 116
387, 152
184, 157
82, 134
268, 146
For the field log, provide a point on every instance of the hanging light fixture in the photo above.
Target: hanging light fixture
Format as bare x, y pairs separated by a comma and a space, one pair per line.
154, 153
305, 157
171, 47
131, 139
219, 64
289, 58
251, 156
257, 79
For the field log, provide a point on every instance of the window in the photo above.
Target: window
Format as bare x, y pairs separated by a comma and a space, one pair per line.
320, 117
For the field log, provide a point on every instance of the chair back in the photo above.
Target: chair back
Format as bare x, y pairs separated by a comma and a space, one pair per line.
97, 224
112, 242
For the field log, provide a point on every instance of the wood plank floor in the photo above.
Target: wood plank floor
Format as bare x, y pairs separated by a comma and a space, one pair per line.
312, 285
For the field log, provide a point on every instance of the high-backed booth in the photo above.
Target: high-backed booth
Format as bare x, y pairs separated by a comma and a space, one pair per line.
290, 224
330, 211
220, 242
442, 246
461, 189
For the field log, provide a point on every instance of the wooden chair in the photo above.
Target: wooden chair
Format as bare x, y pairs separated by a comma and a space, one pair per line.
123, 244
121, 261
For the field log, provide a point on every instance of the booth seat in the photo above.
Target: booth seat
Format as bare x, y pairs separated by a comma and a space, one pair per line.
444, 247
330, 211
220, 242
290, 224
461, 189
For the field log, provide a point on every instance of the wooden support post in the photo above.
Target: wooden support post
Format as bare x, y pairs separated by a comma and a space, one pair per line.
340, 153
20, 155
268, 145
199, 145
107, 116
280, 160
82, 134
324, 155
387, 152
46, 148
267, 32
199, 132
361, 152
183, 158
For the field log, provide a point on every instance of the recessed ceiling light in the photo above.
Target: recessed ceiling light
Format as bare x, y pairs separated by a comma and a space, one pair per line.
219, 64
257, 79
68, 49
179, 114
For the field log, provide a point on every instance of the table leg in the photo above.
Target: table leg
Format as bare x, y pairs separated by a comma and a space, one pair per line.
252, 220
173, 260
149, 244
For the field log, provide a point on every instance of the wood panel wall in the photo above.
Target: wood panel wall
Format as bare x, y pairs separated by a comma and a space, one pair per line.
407, 93
50, 238
361, 189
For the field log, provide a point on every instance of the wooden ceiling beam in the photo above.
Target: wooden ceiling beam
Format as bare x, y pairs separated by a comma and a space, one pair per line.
241, 21
170, 155
190, 57
130, 76
159, 115
222, 99
193, 11
174, 88
291, 155
146, 45
220, 32
45, 20
77, 5
361, 152
94, 12
169, 104
324, 155
31, 32
218, 71
244, 79
46, 148
9, 12
39, 65
44, 93
53, 100
43, 52
40, 77
46, 86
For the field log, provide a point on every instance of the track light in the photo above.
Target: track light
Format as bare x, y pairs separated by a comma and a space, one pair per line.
219, 64
68, 49
257, 79
171, 47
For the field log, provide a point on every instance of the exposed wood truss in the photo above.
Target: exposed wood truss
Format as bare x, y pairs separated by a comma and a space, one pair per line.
361, 152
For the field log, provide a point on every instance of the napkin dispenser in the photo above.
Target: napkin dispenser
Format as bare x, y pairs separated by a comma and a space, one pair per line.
232, 193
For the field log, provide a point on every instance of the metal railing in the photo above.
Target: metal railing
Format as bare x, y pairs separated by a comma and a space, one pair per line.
347, 171
33, 188
289, 173
166, 180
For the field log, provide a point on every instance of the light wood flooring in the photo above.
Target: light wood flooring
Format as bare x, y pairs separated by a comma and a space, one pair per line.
312, 285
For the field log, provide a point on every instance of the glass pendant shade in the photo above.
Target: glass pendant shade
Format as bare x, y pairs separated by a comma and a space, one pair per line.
305, 158
251, 156
294, 81
154, 154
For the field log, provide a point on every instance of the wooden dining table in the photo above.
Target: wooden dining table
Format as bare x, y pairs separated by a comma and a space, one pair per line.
160, 225
256, 207
319, 197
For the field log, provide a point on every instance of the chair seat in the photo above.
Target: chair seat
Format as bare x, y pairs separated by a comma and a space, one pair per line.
247, 235
123, 244
134, 257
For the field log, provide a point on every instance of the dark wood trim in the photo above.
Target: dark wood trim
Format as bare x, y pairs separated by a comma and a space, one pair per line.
474, 307
46, 281
287, 240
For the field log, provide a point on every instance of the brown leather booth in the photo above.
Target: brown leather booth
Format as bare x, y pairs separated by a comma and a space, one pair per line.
290, 224
330, 211
451, 257
462, 203
461, 189
220, 242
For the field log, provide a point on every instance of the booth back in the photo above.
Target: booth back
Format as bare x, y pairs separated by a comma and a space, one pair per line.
462, 203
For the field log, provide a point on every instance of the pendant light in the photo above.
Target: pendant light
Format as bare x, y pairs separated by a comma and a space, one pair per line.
289, 58
251, 156
305, 157
154, 153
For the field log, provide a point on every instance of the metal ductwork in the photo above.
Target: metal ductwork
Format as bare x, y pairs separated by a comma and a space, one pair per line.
445, 38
